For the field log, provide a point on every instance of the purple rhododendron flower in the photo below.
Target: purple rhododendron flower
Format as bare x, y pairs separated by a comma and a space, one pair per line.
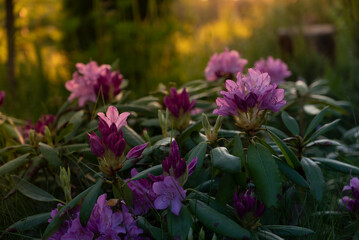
136, 151
352, 201
276, 69
143, 195
90, 80
103, 224
248, 209
112, 116
175, 166
39, 127
169, 194
2, 97
225, 64
249, 98
178, 104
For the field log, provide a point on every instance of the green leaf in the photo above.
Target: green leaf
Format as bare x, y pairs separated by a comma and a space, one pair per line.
291, 173
178, 226
238, 148
265, 173
216, 221
289, 231
64, 132
225, 161
13, 164
29, 222
287, 152
337, 165
155, 170
55, 224
227, 186
32, 191
223, 133
76, 121
200, 152
196, 127
138, 109
326, 101
50, 154
290, 123
22, 147
325, 128
157, 233
89, 202
268, 235
314, 177
276, 131
132, 138
122, 191
315, 122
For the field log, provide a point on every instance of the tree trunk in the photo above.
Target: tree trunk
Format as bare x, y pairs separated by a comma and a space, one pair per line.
10, 30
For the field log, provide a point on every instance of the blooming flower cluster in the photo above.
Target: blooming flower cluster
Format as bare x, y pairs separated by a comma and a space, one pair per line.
225, 64
249, 98
103, 224
352, 200
90, 80
248, 209
2, 97
180, 107
39, 127
276, 69
111, 146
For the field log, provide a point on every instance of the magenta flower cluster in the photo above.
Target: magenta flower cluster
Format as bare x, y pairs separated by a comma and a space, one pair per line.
248, 208
111, 145
103, 224
253, 90
44, 121
276, 69
226, 64
351, 201
91, 80
2, 97
178, 104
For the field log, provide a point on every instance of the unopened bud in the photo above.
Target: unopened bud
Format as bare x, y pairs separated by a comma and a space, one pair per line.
65, 181
48, 136
206, 125
32, 137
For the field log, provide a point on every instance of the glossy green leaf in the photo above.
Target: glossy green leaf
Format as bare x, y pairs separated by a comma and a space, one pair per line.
55, 224
292, 160
337, 165
13, 164
196, 127
89, 202
276, 131
290, 123
268, 235
132, 138
225, 161
265, 174
200, 152
155, 170
50, 154
76, 121
238, 148
32, 191
291, 174
289, 231
325, 128
29, 222
122, 191
64, 132
315, 122
314, 177
216, 221
227, 186
178, 226
157, 233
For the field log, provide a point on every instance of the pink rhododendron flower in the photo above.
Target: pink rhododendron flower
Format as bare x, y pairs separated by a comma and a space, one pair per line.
112, 116
44, 121
249, 98
352, 201
169, 194
90, 80
225, 64
276, 69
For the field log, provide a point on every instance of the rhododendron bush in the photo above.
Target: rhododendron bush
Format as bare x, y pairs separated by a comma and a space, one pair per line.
244, 154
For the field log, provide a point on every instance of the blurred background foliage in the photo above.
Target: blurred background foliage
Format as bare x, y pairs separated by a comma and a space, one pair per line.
166, 41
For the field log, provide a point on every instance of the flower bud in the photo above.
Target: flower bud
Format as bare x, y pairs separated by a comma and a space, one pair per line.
65, 181
96, 145
136, 151
48, 136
